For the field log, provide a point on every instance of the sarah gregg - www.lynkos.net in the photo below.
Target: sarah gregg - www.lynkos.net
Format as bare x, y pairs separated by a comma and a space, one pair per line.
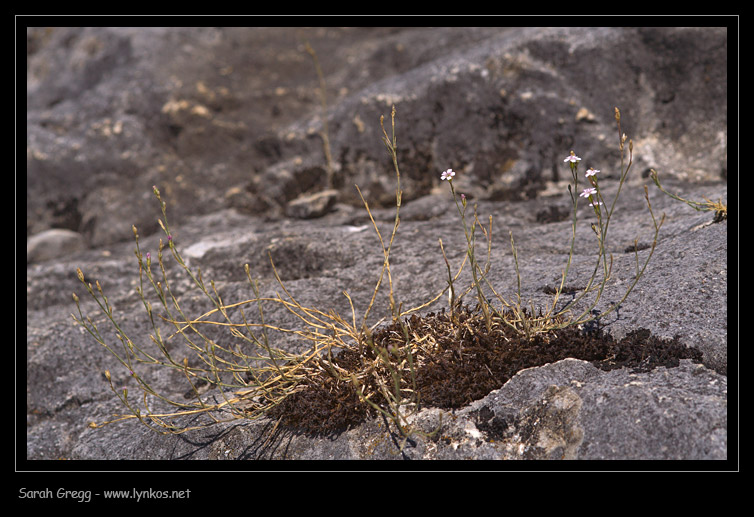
85, 496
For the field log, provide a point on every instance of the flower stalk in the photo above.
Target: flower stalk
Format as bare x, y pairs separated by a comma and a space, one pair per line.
243, 375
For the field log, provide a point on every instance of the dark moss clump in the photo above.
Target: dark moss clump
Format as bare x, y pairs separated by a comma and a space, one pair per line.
324, 406
463, 372
457, 362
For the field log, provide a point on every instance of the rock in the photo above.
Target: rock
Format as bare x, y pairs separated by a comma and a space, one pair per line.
570, 410
51, 244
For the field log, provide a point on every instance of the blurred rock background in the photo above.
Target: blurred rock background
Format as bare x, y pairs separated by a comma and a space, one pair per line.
231, 117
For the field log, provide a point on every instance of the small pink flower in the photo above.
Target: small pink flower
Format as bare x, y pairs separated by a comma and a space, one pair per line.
447, 175
588, 192
591, 171
572, 158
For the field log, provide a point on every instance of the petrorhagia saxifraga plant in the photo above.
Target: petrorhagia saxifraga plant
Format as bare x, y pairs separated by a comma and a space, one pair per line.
253, 377
514, 313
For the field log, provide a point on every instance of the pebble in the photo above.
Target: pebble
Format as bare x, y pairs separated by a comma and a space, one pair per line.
53, 243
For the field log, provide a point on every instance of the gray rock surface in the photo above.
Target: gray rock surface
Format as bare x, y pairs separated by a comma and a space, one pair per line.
226, 122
